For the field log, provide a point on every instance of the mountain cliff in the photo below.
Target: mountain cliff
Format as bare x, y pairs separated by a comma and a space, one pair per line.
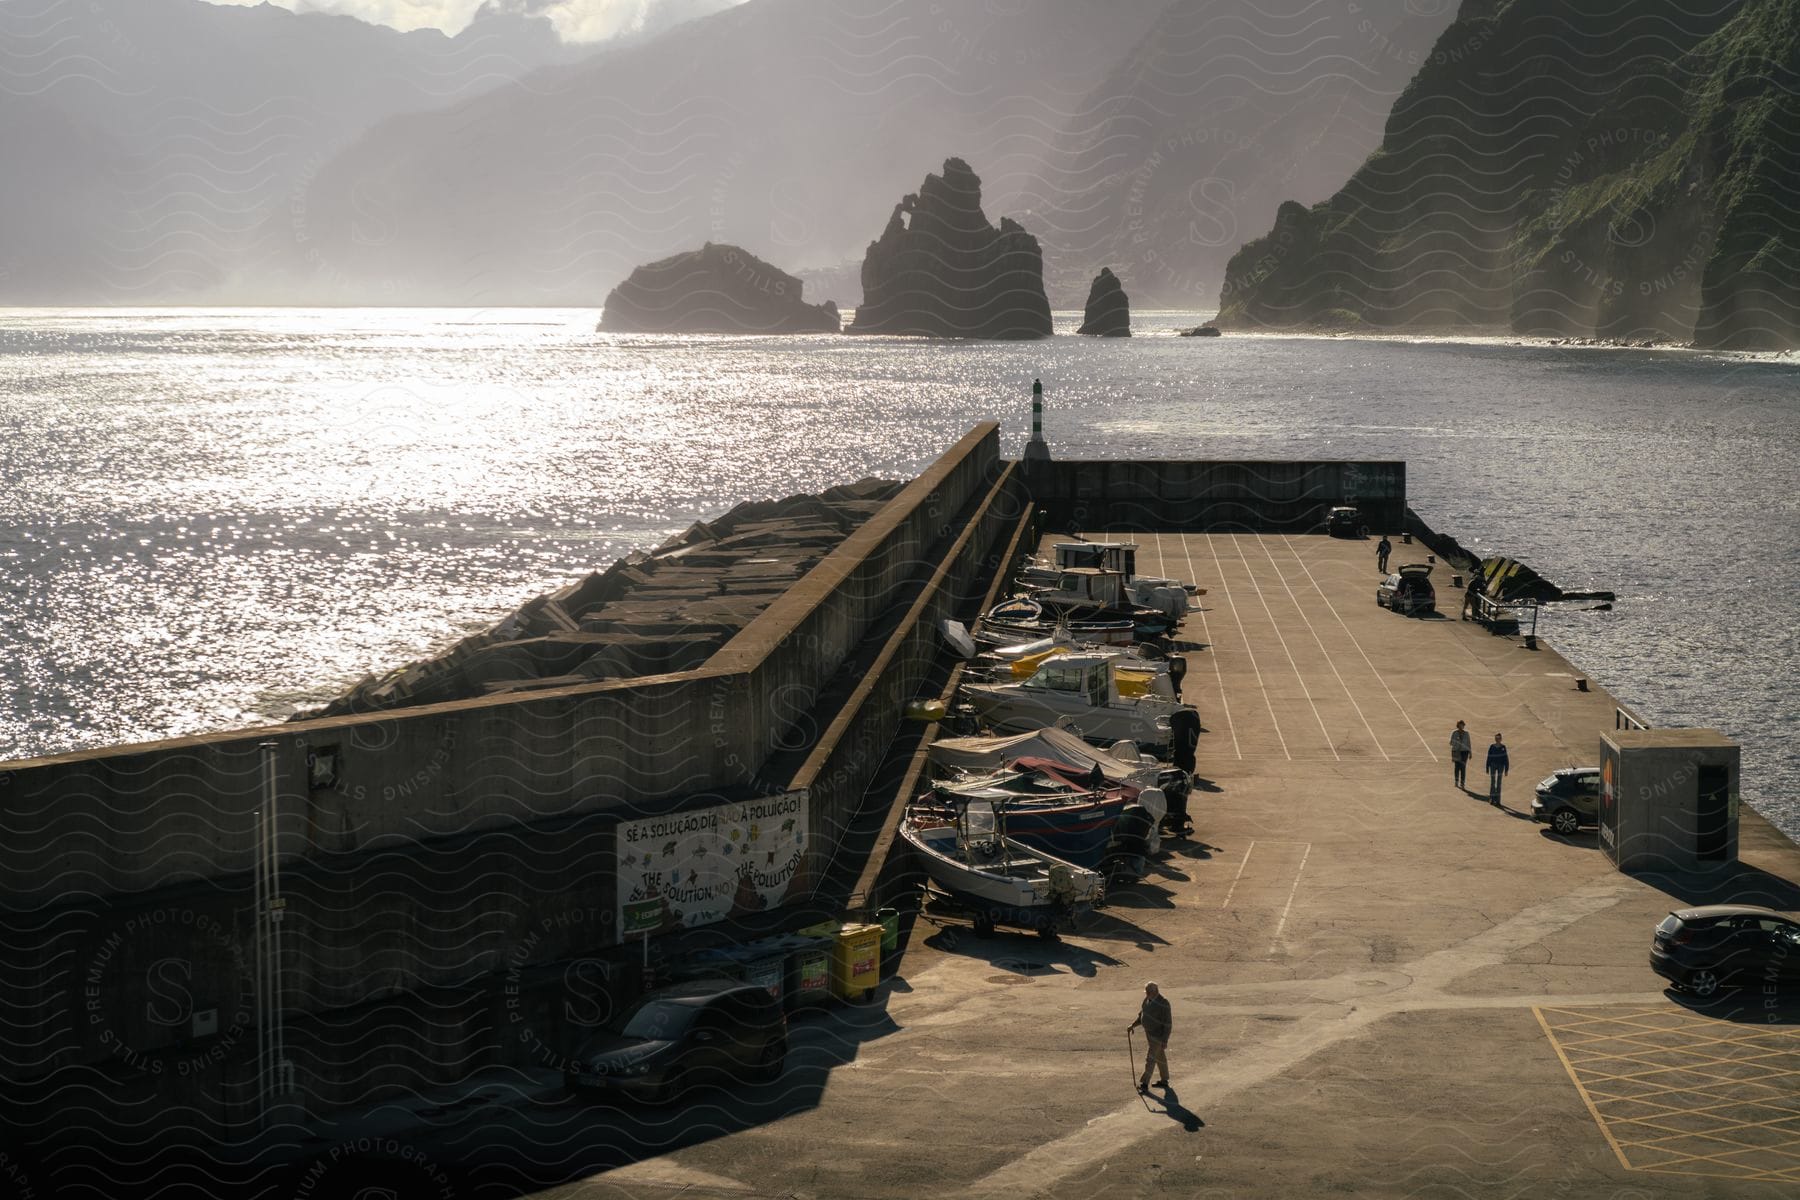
1221, 111
789, 126
1573, 168
162, 150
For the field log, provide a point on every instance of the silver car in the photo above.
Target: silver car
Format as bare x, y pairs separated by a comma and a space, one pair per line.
1408, 590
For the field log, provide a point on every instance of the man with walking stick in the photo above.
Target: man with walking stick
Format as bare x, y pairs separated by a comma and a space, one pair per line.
1158, 1023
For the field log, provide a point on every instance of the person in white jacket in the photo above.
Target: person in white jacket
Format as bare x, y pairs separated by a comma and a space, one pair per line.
1461, 749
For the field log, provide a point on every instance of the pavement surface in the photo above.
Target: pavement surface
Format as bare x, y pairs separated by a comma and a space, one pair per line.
1382, 985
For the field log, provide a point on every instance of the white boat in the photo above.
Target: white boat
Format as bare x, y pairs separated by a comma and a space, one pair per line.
1137, 675
987, 755
1169, 595
971, 858
1080, 693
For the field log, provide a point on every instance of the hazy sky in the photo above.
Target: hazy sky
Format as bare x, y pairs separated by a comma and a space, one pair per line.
575, 20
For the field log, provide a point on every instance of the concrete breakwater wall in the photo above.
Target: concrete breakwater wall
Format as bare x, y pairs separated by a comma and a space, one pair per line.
1284, 497
129, 818
451, 846
652, 613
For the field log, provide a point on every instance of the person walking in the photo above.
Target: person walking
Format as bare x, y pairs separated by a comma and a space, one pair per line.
1158, 1023
1497, 766
1460, 752
1382, 550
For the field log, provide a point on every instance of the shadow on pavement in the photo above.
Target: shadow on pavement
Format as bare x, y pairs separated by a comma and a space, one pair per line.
1738, 883
1170, 1107
1745, 1006
1022, 954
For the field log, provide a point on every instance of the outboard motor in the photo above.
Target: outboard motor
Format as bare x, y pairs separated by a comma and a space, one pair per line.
1176, 786
1152, 801
1184, 737
1128, 853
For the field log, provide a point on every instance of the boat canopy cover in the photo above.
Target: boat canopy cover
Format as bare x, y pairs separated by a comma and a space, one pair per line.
992, 753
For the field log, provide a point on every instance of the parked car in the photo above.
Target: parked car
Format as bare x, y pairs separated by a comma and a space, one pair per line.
1345, 522
1700, 950
687, 1034
1568, 799
1408, 590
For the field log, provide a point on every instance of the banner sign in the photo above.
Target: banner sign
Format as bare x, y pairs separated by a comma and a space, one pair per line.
706, 864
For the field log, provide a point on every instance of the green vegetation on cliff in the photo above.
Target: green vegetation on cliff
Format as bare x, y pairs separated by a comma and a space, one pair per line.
1566, 167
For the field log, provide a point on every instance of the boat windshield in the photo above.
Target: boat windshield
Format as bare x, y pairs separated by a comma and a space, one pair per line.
1055, 677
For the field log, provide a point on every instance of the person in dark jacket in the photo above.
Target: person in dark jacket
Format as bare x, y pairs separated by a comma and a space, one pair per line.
1383, 548
1497, 766
1158, 1023
1471, 608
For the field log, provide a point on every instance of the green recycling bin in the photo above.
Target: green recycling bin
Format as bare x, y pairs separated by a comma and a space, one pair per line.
808, 972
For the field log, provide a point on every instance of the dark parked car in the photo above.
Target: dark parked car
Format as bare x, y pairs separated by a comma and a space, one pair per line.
1568, 799
1700, 950
1346, 522
687, 1034
1408, 590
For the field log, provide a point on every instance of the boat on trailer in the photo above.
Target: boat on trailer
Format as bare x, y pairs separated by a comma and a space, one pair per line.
996, 879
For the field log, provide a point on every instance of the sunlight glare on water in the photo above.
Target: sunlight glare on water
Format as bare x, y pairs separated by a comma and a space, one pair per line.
213, 517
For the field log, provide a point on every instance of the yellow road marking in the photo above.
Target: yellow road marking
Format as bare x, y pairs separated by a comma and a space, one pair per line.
1582, 1091
1671, 1043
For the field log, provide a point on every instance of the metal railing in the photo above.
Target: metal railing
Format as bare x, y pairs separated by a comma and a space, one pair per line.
1624, 718
1507, 616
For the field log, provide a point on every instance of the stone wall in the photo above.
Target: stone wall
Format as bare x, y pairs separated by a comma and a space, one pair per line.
1260, 497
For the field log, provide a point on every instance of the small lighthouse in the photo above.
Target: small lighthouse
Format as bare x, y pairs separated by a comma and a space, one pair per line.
1035, 450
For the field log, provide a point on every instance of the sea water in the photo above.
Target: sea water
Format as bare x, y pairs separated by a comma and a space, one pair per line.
212, 518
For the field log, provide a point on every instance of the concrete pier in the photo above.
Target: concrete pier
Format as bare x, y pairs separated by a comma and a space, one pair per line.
1382, 986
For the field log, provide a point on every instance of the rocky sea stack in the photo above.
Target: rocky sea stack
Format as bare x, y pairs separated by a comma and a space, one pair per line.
940, 270
1637, 180
1108, 312
716, 289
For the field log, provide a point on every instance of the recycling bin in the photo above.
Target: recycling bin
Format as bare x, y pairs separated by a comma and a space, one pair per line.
765, 964
806, 970
856, 961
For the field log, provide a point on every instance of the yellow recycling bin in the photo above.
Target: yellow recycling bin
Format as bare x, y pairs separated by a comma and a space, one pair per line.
856, 961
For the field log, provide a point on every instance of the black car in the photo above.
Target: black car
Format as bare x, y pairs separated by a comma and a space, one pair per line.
1568, 799
1702, 949
1408, 590
1346, 522
684, 1035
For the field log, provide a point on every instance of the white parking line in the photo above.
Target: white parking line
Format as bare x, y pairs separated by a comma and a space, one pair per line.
1240, 874
1307, 692
1282, 924
1206, 631
1224, 587
1379, 678
1282, 575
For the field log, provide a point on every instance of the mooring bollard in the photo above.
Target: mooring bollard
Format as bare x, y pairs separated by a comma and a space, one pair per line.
1581, 685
